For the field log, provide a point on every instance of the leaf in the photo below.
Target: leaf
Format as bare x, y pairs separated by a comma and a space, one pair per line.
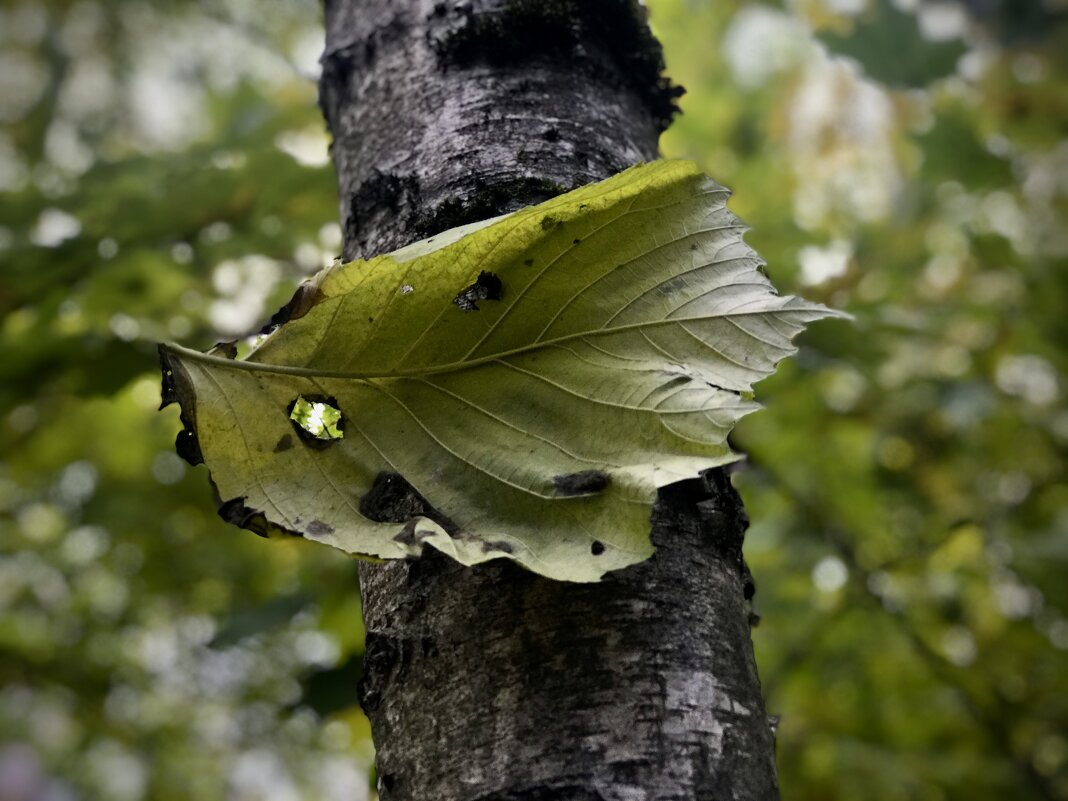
535, 377
890, 46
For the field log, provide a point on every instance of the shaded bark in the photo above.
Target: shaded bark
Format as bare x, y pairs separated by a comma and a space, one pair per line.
491, 682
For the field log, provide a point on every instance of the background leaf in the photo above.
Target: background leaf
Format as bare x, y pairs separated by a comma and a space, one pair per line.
888, 43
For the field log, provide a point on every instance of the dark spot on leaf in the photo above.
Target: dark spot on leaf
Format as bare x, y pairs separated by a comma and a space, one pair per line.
576, 241
528, 262
501, 546
597, 548
317, 419
169, 389
586, 482
693, 247
228, 350
234, 511
187, 446
486, 287
317, 528
167, 393
551, 135
177, 388
284, 444
302, 302
548, 222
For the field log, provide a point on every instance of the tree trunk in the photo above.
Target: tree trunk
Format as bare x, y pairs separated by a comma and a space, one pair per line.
491, 682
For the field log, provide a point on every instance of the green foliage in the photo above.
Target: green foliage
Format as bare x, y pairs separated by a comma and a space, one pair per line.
144, 651
535, 379
888, 43
906, 480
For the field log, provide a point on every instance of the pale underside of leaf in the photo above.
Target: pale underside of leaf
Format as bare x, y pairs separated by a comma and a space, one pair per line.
631, 324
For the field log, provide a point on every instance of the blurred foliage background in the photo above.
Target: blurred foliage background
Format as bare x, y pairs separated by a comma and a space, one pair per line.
164, 175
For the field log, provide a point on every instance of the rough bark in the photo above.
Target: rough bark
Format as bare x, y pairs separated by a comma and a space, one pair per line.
490, 682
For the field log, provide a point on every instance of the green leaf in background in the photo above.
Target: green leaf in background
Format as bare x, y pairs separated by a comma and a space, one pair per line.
889, 45
535, 377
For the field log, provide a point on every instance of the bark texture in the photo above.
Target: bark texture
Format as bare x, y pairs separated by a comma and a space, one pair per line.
491, 683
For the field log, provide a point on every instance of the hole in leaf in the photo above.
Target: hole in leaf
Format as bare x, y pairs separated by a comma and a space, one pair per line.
487, 287
317, 420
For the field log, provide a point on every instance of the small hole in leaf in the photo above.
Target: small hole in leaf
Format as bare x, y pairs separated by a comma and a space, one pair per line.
486, 287
597, 548
317, 419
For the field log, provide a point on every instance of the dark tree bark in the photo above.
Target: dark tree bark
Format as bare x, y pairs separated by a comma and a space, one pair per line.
491, 682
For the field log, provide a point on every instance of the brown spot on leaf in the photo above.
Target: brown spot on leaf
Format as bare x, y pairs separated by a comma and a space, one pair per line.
317, 528
597, 548
284, 444
303, 301
234, 511
586, 482
187, 446
177, 388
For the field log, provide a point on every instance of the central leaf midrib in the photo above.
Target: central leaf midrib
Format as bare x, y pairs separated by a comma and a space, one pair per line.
451, 367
